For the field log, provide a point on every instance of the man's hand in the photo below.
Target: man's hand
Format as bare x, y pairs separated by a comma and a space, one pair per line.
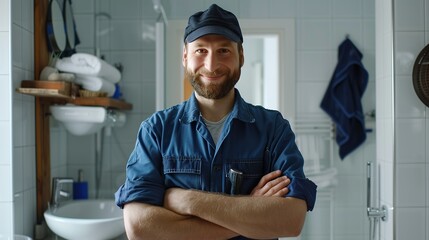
272, 184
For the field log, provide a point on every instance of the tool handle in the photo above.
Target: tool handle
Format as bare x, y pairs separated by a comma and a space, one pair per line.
236, 178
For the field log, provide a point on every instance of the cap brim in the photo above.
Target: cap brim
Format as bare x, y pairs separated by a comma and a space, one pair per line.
212, 30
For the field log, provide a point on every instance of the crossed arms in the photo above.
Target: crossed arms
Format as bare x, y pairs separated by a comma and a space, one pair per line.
192, 214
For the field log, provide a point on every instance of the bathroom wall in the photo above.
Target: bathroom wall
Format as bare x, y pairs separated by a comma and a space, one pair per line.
407, 158
24, 157
6, 200
17, 138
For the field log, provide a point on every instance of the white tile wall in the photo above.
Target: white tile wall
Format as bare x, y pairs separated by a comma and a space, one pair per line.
5, 99
18, 213
5, 16
6, 227
17, 46
6, 185
406, 166
411, 223
408, 45
414, 196
410, 15
319, 72
17, 121
315, 9
315, 34
4, 58
354, 227
408, 105
348, 8
318, 222
255, 9
410, 151
126, 9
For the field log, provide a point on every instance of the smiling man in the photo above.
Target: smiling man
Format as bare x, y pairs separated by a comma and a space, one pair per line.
215, 167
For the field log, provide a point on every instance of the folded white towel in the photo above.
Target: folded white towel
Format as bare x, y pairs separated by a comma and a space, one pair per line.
96, 84
87, 64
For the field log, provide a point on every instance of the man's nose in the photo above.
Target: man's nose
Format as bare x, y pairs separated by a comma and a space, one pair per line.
211, 62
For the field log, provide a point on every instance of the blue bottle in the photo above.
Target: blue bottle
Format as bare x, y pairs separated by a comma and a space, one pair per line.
80, 188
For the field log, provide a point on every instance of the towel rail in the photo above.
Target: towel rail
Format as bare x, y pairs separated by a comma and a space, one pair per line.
316, 143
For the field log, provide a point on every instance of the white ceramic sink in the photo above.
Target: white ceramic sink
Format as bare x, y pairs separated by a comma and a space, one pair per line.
80, 120
86, 220
84, 120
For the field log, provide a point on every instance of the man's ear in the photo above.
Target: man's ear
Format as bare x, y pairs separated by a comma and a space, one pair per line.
240, 54
184, 56
241, 58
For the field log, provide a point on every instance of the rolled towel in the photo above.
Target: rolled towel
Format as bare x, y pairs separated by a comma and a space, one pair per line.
96, 84
46, 72
87, 64
68, 77
102, 68
52, 74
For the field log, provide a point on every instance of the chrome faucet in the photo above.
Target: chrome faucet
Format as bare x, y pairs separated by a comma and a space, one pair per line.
58, 192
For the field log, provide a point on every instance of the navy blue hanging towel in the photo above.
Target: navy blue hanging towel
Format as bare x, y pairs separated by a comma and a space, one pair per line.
342, 99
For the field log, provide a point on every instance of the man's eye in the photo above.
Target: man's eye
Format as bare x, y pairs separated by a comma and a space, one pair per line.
224, 50
200, 51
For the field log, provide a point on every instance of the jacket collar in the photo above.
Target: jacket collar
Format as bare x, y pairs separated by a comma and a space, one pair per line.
240, 110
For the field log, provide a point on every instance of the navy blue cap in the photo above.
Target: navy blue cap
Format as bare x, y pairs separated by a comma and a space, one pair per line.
214, 20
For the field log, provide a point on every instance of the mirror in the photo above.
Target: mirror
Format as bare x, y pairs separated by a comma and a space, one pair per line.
55, 28
68, 15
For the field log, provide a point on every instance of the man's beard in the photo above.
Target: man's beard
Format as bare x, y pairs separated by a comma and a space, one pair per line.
215, 90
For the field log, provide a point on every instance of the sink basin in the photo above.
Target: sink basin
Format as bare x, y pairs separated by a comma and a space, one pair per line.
80, 120
84, 120
86, 219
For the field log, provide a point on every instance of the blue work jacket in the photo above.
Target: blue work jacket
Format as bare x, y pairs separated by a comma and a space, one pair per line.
174, 148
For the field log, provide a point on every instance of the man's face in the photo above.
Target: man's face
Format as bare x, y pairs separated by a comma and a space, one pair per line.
212, 65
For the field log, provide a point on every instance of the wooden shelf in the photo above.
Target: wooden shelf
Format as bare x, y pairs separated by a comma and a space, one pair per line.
101, 101
61, 92
43, 92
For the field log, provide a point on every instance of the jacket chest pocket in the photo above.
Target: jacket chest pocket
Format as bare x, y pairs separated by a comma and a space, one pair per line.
182, 172
252, 169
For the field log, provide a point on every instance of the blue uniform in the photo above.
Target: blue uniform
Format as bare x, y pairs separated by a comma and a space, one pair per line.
175, 149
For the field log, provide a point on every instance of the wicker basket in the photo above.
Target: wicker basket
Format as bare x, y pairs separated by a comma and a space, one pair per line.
87, 93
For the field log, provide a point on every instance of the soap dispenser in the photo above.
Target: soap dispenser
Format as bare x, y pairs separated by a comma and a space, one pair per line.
80, 188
